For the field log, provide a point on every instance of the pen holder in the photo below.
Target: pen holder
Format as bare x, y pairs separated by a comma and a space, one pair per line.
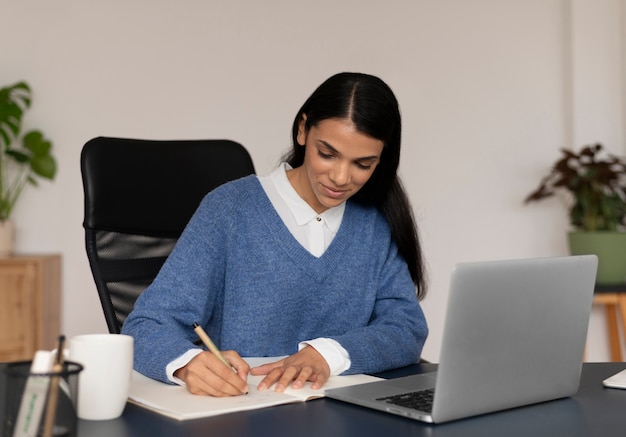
29, 396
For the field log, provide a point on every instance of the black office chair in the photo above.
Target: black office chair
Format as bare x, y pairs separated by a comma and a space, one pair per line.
139, 195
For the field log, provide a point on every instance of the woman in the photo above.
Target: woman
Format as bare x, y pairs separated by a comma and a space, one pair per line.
318, 261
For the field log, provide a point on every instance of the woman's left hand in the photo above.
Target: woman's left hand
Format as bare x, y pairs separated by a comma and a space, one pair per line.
296, 369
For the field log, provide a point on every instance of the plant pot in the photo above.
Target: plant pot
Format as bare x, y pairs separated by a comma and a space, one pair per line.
610, 247
7, 237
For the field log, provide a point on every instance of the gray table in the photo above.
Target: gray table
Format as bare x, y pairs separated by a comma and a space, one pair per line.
594, 411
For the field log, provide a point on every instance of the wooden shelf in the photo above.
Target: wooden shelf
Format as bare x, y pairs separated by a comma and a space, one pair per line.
30, 288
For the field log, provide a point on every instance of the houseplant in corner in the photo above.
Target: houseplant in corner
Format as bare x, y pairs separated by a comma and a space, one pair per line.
24, 157
595, 184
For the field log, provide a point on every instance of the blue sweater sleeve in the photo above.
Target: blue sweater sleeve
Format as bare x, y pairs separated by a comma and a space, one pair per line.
397, 330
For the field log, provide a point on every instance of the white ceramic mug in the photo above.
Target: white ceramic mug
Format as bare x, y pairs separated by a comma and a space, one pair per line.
104, 383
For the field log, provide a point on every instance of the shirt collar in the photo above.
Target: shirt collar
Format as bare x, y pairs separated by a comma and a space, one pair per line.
301, 210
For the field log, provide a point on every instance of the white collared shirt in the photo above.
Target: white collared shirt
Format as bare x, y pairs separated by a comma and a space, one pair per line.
313, 231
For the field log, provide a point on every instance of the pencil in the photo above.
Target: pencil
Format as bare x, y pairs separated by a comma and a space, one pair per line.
53, 395
209, 344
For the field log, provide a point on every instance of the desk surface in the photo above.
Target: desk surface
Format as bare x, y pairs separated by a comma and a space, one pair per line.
593, 411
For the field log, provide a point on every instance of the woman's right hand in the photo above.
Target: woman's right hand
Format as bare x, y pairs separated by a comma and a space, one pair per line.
205, 374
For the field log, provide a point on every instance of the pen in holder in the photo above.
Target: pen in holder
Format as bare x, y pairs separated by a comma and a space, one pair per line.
29, 395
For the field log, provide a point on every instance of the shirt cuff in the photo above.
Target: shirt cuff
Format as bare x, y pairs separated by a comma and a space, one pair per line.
336, 356
179, 362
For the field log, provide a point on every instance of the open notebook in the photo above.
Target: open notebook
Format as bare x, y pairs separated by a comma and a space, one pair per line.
176, 402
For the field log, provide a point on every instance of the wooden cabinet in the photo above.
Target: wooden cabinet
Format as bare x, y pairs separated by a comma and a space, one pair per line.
29, 305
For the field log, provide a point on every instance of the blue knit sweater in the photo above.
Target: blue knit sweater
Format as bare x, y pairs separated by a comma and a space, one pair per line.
239, 272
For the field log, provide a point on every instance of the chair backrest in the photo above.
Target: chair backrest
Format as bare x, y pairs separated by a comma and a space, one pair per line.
139, 195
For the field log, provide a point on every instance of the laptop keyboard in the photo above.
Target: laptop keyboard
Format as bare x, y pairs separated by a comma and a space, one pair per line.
419, 400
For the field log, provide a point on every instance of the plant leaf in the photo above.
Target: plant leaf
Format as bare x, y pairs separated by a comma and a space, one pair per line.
597, 183
35, 142
18, 156
44, 166
14, 100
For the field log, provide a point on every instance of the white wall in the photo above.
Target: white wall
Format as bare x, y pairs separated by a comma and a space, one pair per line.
489, 91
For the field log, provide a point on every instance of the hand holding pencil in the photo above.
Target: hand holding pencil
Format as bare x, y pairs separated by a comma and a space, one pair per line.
215, 373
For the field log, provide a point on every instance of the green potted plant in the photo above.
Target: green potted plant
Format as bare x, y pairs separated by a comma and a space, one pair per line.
23, 157
595, 185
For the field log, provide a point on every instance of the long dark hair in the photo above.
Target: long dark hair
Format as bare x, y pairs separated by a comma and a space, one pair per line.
371, 106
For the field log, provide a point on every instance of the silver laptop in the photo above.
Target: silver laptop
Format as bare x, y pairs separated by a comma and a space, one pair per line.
514, 335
